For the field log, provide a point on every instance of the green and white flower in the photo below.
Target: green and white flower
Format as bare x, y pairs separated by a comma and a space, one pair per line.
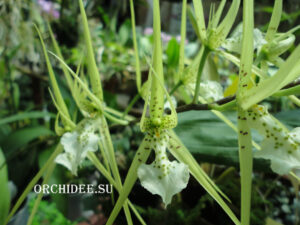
162, 176
78, 143
279, 145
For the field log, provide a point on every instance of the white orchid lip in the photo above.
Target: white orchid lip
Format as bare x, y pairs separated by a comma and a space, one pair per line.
78, 143
279, 145
162, 176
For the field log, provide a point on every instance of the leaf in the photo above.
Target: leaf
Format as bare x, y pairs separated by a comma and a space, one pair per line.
25, 116
22, 137
58, 177
290, 118
33, 182
4, 190
16, 94
270, 221
173, 52
124, 32
211, 140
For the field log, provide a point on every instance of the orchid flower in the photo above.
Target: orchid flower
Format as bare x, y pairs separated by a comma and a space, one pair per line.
78, 143
276, 44
269, 45
162, 176
279, 145
214, 35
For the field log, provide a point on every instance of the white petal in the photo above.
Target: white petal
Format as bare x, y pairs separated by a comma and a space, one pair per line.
211, 90
77, 143
92, 144
282, 162
66, 160
70, 142
279, 145
166, 186
295, 135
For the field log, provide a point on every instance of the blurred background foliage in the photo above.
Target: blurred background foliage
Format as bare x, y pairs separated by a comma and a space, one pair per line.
27, 114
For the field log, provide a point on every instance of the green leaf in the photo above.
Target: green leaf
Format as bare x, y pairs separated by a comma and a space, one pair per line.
4, 190
173, 52
25, 116
124, 32
58, 177
16, 94
34, 180
22, 137
209, 139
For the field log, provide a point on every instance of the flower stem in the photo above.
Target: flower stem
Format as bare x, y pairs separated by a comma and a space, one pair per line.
179, 83
131, 104
206, 51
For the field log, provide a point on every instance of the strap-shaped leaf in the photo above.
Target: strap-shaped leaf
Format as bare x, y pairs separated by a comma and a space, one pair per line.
36, 178
4, 189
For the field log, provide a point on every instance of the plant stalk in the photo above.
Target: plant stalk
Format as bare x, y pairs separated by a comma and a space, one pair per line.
206, 52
